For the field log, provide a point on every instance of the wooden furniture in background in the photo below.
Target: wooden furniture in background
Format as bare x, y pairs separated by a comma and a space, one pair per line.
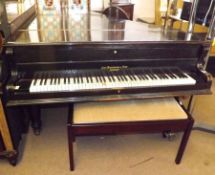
4, 131
120, 11
6, 146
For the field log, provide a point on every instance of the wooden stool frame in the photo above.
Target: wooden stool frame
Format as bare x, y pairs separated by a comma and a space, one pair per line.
158, 126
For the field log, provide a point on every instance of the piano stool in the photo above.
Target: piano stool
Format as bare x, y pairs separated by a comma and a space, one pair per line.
127, 117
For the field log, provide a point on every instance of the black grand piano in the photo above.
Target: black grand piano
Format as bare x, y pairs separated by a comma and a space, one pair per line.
118, 60
104, 59
90, 57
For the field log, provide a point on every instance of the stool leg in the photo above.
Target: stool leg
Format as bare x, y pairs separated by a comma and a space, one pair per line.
70, 144
184, 141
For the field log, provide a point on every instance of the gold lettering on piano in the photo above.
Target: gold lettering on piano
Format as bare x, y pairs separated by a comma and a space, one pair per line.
113, 68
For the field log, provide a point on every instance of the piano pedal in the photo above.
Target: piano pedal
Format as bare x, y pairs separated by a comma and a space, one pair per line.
169, 135
36, 131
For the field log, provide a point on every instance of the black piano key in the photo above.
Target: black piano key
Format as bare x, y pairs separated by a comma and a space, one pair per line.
87, 78
163, 74
67, 79
102, 76
108, 76
90, 76
128, 74
81, 78
124, 75
55, 79
137, 74
172, 73
52, 80
121, 75
143, 74
167, 71
35, 79
157, 73
64, 79
147, 74
58, 78
46, 77
117, 76
112, 76
180, 74
95, 75
77, 78
133, 75
74, 79
41, 79
151, 71
150, 74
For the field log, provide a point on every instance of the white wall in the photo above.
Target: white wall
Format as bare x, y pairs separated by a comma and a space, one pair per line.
144, 8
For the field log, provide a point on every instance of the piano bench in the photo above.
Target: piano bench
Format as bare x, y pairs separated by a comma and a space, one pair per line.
127, 117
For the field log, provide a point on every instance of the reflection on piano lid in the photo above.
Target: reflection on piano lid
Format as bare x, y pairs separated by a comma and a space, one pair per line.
60, 58
92, 27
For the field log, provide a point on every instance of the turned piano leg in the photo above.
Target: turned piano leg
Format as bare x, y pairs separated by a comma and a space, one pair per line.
35, 117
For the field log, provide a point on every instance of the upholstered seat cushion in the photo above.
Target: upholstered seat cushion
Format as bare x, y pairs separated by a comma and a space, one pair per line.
124, 111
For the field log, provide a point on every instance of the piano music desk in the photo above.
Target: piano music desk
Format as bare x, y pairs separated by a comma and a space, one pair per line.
127, 117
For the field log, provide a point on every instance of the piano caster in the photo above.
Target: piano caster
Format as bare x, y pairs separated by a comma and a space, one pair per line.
12, 158
36, 130
169, 135
13, 161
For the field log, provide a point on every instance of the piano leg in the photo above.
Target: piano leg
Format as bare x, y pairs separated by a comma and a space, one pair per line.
35, 118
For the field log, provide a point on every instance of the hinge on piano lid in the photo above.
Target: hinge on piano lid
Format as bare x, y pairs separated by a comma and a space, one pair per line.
113, 68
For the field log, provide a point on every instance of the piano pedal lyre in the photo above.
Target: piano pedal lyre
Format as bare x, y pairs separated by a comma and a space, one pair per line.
169, 135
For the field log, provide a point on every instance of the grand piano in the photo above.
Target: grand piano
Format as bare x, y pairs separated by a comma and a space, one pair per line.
59, 58
101, 59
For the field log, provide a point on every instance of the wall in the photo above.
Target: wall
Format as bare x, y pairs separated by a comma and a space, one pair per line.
144, 8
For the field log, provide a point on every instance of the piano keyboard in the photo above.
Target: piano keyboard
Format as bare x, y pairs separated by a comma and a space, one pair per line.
127, 78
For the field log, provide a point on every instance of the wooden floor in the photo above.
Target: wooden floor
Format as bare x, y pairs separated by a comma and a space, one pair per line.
131, 154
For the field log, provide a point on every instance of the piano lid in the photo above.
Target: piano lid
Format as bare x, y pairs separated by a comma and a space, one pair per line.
68, 27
